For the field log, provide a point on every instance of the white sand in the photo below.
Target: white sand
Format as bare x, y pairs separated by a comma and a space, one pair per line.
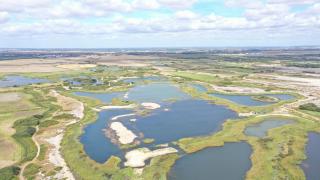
56, 158
247, 114
9, 97
149, 105
76, 66
121, 116
315, 82
125, 135
237, 89
133, 120
116, 107
75, 107
137, 157
126, 96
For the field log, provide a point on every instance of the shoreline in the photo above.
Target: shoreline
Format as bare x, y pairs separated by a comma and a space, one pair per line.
136, 158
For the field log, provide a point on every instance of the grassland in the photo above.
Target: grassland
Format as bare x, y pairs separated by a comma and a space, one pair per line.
11, 111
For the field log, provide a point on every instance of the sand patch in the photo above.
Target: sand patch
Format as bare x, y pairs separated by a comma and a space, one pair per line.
121, 116
314, 82
149, 105
125, 135
137, 157
76, 66
56, 158
237, 89
9, 97
116, 107
71, 105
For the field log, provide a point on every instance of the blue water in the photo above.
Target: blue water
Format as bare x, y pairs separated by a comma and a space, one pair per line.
141, 79
184, 119
311, 166
261, 129
230, 162
248, 101
76, 82
282, 97
156, 92
199, 87
104, 97
97, 146
10, 81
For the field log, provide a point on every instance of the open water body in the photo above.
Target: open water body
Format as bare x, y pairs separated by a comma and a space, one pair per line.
261, 129
229, 162
10, 81
311, 166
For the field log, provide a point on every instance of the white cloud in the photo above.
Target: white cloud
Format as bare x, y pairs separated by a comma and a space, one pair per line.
186, 14
145, 4
177, 3
4, 17
22, 5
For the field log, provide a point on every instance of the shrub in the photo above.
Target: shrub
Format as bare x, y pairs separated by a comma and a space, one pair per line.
309, 107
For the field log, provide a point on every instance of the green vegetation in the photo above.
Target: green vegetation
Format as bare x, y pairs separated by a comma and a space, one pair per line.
265, 98
43, 151
119, 102
148, 140
30, 171
267, 156
9, 173
310, 107
159, 167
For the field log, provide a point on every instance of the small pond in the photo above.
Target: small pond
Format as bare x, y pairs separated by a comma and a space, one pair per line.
261, 129
229, 162
10, 81
311, 166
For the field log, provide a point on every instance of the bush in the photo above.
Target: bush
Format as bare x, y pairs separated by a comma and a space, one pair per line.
8, 173
309, 107
25, 132
48, 123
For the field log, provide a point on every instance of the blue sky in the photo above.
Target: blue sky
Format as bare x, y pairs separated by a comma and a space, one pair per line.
158, 23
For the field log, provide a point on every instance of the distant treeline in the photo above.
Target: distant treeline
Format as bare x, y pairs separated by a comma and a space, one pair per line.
303, 65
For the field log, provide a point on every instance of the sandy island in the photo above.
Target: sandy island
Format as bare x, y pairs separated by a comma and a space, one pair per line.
121, 116
149, 105
125, 135
137, 157
131, 106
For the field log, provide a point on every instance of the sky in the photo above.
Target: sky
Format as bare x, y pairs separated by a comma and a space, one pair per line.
158, 23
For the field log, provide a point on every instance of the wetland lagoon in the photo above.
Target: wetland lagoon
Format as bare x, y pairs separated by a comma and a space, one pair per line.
179, 116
